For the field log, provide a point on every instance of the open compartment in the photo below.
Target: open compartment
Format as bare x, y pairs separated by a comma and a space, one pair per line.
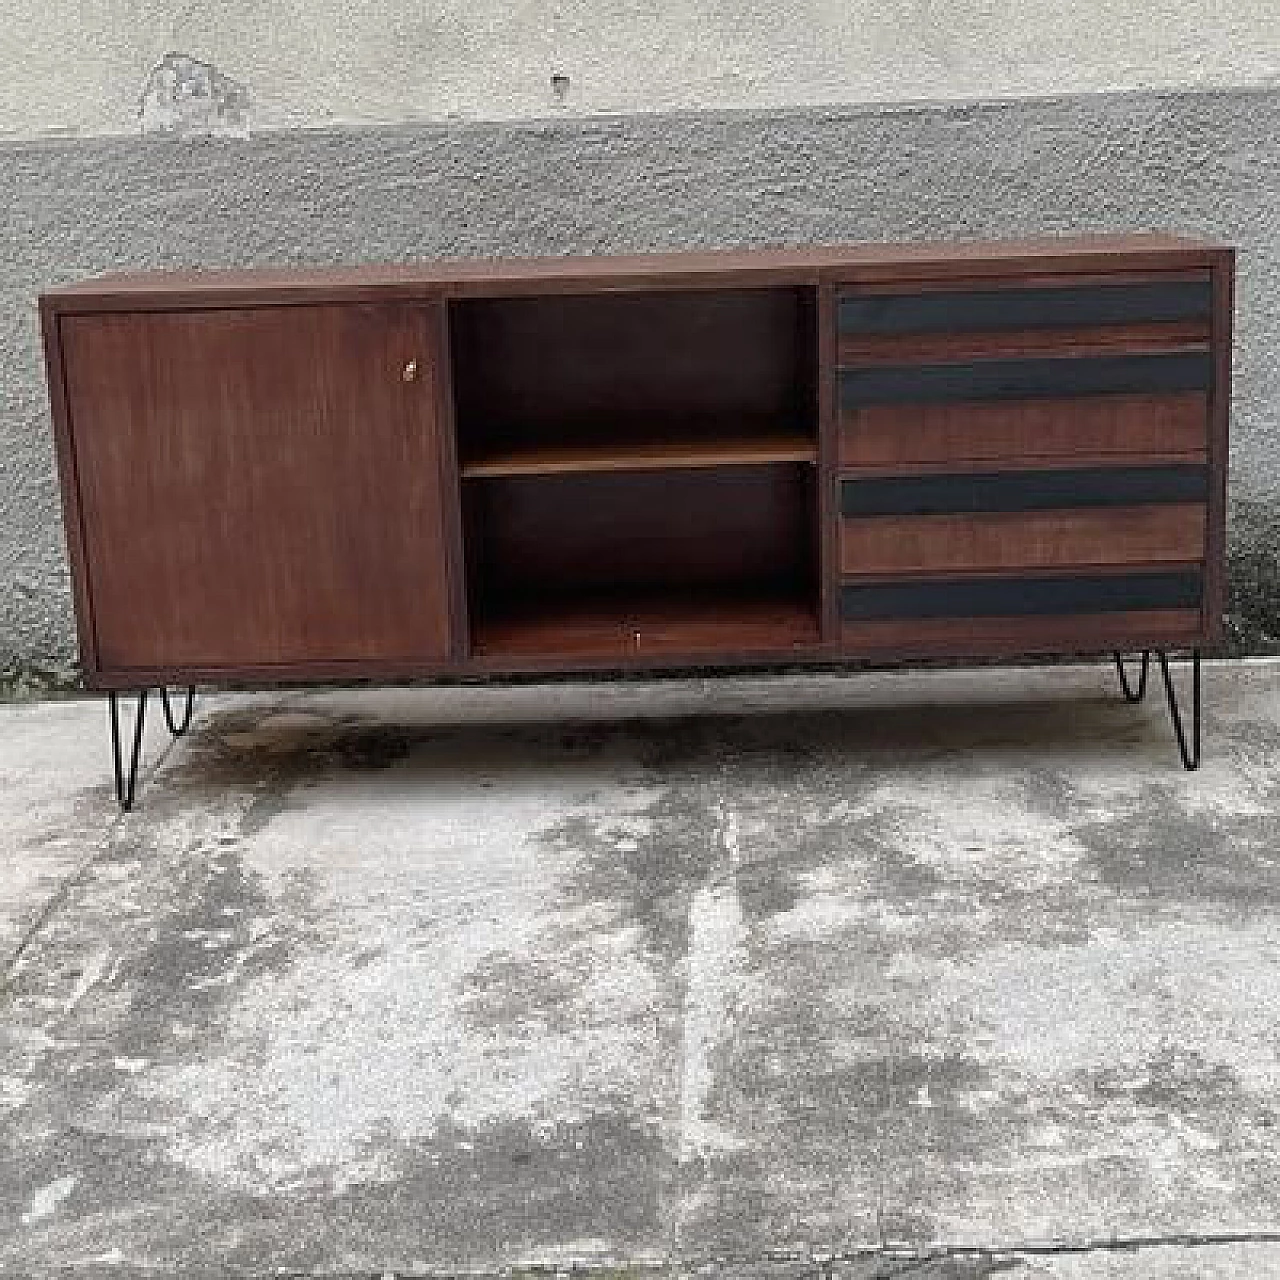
640, 564
611, 381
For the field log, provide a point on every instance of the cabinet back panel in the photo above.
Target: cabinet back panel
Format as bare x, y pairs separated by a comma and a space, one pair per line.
722, 528
258, 486
606, 367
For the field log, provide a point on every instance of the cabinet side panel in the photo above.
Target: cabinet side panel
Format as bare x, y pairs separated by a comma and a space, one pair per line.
69, 489
259, 485
1215, 594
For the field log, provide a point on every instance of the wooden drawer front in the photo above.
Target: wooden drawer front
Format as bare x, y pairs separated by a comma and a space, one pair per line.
1172, 533
1053, 377
1023, 595
1045, 490
1089, 370
1032, 519
995, 615
919, 435
970, 637
1059, 306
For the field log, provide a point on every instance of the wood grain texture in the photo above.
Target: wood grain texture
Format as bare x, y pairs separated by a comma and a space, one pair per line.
1046, 593
1061, 305
1031, 274
205, 413
69, 490
724, 451
621, 372
896, 639
259, 486
725, 528
1155, 534
828, 481
1048, 489
450, 481
936, 348
636, 627
1030, 261
1215, 592
1092, 426
1022, 379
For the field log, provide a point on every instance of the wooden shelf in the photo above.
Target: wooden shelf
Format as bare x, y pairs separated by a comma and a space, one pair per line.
651, 625
738, 451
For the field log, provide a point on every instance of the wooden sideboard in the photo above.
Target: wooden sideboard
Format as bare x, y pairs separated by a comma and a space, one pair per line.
875, 452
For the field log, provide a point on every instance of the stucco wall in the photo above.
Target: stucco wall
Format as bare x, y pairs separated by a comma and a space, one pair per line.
83, 68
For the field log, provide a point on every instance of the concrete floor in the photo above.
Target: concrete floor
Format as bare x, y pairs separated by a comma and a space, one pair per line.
939, 974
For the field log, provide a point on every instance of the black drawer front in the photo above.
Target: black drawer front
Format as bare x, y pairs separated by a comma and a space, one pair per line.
1023, 490
1066, 307
1018, 597
1026, 379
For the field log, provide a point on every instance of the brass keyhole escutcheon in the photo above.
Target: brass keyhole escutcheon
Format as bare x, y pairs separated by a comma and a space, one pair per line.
410, 371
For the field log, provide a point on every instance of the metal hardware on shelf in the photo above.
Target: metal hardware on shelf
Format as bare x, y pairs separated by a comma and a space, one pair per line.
126, 771
1188, 744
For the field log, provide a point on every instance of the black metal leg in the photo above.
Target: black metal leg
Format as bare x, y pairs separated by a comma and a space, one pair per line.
1190, 751
1131, 694
126, 778
178, 727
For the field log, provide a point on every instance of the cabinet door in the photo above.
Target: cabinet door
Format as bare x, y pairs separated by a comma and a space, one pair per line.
259, 487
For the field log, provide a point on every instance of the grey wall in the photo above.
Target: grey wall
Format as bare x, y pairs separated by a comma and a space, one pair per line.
81, 68
1204, 163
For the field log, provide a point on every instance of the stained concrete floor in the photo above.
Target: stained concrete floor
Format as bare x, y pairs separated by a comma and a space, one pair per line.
939, 974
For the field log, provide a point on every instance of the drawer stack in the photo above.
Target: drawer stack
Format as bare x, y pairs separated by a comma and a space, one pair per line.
1024, 466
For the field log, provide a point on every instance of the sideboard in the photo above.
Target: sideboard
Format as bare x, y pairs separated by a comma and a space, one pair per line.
872, 453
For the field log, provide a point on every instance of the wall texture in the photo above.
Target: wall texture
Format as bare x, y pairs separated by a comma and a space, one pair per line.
83, 68
114, 153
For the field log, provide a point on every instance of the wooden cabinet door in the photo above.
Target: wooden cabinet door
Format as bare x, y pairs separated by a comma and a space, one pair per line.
259, 487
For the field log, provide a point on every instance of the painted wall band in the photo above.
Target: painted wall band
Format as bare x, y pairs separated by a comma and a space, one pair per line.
1056, 308
1023, 490
1017, 597
1026, 379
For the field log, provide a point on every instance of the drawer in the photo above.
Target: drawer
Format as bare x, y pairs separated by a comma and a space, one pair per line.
993, 615
1023, 595
1062, 305
1059, 518
1024, 378
1102, 427
1089, 369
1029, 490
996, 637
1165, 533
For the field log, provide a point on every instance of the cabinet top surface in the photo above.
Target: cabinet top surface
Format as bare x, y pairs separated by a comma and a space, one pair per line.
492, 276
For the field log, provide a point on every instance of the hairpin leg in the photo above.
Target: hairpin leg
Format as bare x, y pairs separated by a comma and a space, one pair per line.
178, 727
1188, 743
126, 776
126, 769
1131, 694
1190, 751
